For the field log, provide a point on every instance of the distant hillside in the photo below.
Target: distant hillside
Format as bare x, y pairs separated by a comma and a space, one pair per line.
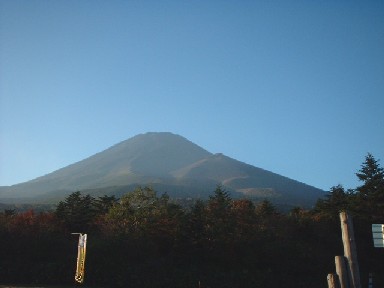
167, 162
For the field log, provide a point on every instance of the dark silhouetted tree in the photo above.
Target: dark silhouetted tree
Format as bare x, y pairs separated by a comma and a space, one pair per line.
76, 212
372, 176
104, 203
370, 196
265, 209
336, 200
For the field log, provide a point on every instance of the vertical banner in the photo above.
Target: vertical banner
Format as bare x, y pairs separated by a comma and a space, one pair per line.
81, 251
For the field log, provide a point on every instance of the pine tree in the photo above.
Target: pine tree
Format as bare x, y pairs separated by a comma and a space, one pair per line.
371, 194
337, 200
372, 175
76, 211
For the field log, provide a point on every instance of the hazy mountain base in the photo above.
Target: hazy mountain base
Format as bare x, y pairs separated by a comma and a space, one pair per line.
180, 194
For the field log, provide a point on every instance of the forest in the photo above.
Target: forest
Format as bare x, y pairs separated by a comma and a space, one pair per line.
149, 240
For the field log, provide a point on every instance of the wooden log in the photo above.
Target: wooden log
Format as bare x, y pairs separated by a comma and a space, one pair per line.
350, 250
341, 271
332, 280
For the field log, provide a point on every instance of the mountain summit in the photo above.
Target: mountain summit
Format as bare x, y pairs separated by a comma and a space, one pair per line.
169, 163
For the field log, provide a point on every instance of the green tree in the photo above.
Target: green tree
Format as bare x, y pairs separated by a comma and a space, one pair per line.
370, 196
219, 204
133, 212
219, 224
265, 209
141, 213
244, 215
195, 230
336, 200
104, 203
372, 176
76, 212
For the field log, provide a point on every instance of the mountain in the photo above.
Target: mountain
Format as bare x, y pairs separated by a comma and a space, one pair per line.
167, 162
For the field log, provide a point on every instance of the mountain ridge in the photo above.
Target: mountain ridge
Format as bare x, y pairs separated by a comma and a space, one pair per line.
170, 162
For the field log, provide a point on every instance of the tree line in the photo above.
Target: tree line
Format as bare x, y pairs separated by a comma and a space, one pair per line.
148, 240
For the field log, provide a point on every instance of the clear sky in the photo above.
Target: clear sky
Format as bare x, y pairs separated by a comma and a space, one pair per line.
294, 87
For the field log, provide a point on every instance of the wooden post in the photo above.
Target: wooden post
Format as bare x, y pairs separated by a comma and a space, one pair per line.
331, 279
350, 249
341, 271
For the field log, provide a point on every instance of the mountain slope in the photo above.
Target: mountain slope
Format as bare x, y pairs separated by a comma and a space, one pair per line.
168, 162
247, 179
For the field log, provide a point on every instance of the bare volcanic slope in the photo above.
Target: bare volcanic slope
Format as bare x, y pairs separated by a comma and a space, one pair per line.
250, 181
141, 159
168, 162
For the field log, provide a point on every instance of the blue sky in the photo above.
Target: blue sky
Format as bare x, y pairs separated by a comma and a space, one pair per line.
294, 87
